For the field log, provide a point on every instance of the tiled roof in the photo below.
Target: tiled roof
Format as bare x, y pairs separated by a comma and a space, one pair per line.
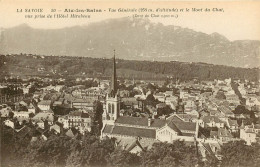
224, 133
108, 129
45, 102
40, 116
130, 131
173, 127
187, 117
174, 118
134, 144
23, 131
207, 119
72, 132
232, 122
213, 134
225, 110
189, 126
79, 113
160, 105
128, 99
156, 123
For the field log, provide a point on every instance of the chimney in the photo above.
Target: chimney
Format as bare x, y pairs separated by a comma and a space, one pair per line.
149, 121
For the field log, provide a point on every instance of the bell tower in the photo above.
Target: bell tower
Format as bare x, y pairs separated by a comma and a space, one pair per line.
112, 104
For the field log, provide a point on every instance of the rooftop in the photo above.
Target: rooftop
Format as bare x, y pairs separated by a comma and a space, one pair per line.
130, 131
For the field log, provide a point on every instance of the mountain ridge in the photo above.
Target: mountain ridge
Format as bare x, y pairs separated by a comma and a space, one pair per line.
134, 39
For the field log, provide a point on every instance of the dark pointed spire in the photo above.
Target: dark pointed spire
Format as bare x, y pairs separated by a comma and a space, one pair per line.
114, 79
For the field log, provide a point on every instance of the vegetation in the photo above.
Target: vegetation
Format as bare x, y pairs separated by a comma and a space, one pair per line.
165, 154
77, 66
239, 154
60, 150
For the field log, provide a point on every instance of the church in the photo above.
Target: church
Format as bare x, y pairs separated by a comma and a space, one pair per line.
127, 129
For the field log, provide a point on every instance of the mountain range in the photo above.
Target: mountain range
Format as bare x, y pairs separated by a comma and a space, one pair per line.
133, 39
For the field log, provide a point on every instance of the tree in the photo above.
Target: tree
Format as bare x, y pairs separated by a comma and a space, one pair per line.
239, 154
150, 100
97, 118
165, 154
123, 158
164, 111
93, 152
13, 146
52, 152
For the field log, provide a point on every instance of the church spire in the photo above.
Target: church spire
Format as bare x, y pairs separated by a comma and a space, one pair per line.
114, 79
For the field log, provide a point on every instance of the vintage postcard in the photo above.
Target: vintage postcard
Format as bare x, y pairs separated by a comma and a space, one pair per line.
129, 83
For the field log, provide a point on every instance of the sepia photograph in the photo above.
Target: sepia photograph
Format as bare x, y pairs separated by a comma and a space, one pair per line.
120, 83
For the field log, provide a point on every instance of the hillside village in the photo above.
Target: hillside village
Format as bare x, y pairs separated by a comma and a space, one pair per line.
136, 113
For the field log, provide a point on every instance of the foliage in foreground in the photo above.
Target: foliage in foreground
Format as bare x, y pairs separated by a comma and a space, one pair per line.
63, 151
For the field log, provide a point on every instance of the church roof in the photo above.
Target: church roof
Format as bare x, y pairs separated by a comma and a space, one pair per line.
130, 131
173, 127
185, 126
155, 123
138, 121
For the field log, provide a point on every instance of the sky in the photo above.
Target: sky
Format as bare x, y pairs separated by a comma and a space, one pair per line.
239, 21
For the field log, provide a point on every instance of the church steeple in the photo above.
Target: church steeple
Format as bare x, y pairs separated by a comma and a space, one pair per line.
112, 101
113, 86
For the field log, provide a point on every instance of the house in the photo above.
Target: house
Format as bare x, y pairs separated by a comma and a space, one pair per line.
224, 135
41, 117
131, 102
64, 120
45, 105
213, 121
83, 103
22, 114
31, 108
57, 103
72, 132
58, 88
233, 98
5, 112
232, 125
160, 105
80, 121
250, 133
57, 128
173, 104
184, 117
131, 145
41, 124
252, 101
226, 111
189, 105
160, 97
23, 132
9, 123
209, 148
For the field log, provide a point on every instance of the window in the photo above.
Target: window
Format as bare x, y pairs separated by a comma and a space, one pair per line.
109, 108
113, 108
